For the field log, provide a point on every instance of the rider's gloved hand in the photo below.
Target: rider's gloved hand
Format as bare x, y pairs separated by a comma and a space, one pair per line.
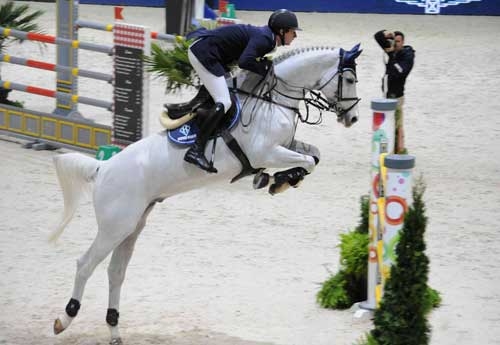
264, 65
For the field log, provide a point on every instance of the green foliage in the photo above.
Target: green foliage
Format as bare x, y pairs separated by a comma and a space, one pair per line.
401, 317
432, 300
173, 65
348, 286
354, 254
367, 340
333, 293
17, 17
364, 202
19, 104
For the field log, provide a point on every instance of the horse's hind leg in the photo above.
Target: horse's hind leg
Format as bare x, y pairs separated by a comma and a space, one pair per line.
112, 232
116, 275
98, 251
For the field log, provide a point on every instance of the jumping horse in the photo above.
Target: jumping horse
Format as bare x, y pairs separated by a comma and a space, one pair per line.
127, 186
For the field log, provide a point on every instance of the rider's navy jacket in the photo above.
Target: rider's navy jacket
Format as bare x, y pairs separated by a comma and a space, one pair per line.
218, 48
397, 68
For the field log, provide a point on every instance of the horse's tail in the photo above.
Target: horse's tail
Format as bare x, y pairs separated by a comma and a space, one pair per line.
75, 172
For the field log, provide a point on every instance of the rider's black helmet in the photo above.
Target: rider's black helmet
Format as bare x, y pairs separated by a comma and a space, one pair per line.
283, 19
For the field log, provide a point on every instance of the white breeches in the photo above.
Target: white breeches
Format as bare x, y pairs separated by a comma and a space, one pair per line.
216, 86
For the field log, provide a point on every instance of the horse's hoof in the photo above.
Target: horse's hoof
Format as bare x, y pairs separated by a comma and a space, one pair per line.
278, 188
116, 341
260, 180
58, 326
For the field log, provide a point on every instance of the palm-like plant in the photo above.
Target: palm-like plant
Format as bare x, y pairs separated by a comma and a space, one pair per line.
19, 17
172, 65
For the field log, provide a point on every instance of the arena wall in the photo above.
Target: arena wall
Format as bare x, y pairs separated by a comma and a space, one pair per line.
451, 7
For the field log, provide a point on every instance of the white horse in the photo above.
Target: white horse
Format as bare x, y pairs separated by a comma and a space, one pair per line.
127, 186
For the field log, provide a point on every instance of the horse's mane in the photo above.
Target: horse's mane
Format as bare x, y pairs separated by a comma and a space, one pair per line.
251, 79
297, 51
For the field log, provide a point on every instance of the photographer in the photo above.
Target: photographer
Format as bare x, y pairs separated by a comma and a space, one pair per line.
397, 68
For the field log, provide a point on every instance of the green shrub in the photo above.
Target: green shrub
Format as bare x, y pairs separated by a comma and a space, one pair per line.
354, 253
333, 293
364, 203
348, 286
401, 317
432, 299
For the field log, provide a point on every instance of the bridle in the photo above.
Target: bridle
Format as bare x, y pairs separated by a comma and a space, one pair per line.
310, 96
336, 105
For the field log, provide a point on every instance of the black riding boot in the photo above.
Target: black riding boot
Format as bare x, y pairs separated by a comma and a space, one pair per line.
196, 153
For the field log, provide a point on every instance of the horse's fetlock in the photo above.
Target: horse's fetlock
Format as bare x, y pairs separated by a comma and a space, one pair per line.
72, 307
112, 317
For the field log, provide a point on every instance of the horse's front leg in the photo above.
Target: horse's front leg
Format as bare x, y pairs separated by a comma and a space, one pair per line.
306, 149
302, 157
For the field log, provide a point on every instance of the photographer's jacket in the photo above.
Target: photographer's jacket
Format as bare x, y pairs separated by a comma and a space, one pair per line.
218, 48
397, 68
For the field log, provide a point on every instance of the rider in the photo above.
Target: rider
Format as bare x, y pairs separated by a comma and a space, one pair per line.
213, 50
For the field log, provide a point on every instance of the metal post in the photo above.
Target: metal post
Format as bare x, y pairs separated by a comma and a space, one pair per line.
67, 56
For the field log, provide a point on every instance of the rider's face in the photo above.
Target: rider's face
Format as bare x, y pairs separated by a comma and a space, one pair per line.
290, 35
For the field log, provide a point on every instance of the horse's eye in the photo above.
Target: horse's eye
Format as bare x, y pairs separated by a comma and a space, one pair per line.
350, 80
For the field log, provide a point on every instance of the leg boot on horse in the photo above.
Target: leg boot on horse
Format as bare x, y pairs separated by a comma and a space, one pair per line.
196, 153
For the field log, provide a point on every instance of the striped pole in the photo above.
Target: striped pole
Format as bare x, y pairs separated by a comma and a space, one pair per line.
110, 27
34, 36
56, 94
55, 68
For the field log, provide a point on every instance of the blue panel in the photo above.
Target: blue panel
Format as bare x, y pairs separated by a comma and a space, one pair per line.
143, 3
483, 7
454, 7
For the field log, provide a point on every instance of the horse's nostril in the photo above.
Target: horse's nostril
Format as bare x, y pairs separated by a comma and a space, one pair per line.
354, 119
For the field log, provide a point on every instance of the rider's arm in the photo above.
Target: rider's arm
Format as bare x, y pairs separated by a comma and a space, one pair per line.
256, 48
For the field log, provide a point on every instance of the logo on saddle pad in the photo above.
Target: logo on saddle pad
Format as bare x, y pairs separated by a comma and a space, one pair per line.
185, 129
186, 134
434, 6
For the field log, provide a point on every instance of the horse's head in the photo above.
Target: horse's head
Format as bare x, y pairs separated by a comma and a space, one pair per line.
328, 70
339, 87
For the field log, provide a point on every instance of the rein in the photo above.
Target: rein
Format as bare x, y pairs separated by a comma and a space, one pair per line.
319, 102
316, 100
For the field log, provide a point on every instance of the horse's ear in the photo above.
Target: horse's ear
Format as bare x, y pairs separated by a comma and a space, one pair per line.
356, 52
352, 54
355, 48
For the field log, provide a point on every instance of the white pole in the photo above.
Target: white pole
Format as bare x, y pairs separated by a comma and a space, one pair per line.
382, 143
199, 9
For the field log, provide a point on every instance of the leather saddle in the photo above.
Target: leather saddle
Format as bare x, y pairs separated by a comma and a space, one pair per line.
183, 120
201, 100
